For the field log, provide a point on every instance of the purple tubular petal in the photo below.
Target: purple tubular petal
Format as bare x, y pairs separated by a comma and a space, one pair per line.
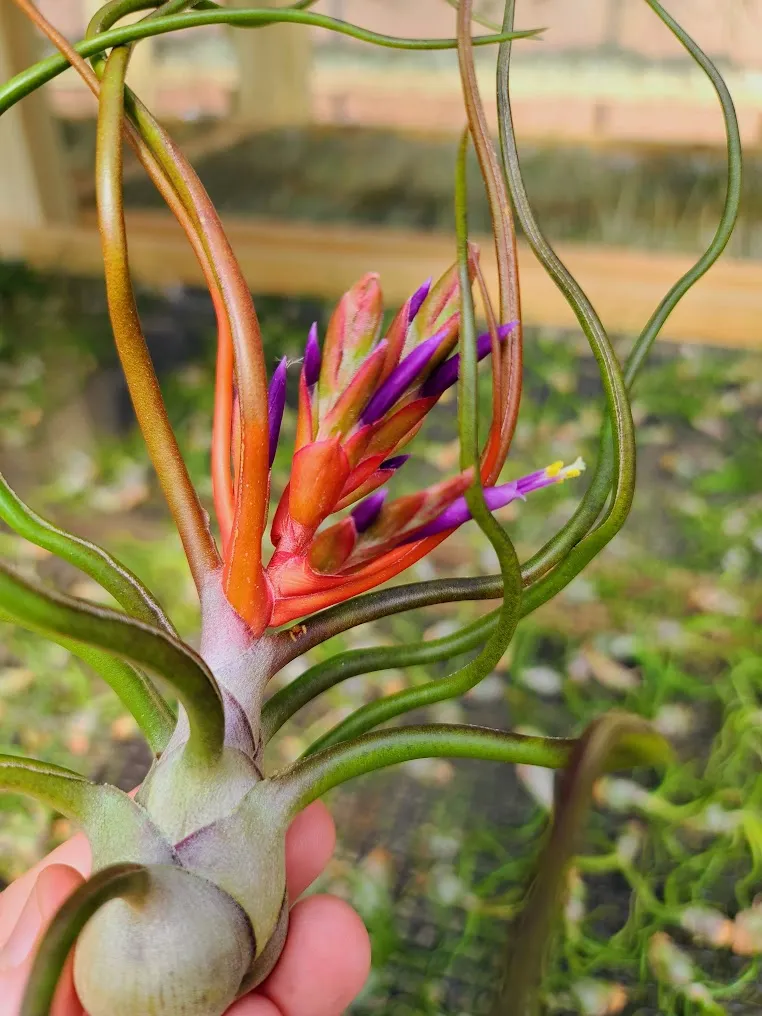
395, 462
458, 512
446, 374
401, 378
367, 511
417, 299
276, 401
533, 481
311, 366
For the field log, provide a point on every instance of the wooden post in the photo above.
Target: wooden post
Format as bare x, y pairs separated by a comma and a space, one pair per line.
35, 188
273, 72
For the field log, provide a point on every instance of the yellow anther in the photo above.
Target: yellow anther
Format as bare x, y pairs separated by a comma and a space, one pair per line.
554, 469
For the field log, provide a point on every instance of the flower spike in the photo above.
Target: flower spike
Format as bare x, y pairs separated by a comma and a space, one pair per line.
362, 399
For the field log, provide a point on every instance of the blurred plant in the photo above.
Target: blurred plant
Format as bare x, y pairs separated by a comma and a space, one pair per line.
199, 853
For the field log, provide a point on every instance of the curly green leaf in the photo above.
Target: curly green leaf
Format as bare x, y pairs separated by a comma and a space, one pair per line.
318, 679
595, 498
312, 777
538, 590
466, 677
45, 70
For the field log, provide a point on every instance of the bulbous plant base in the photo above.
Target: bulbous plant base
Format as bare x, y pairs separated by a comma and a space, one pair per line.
181, 950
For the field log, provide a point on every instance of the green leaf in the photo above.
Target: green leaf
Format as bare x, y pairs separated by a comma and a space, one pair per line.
117, 828
313, 776
125, 587
45, 70
538, 588
462, 680
319, 678
118, 880
137, 643
136, 692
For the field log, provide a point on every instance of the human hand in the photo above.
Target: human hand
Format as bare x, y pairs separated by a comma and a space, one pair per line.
323, 966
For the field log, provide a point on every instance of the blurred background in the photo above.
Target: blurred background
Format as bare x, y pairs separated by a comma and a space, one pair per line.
329, 158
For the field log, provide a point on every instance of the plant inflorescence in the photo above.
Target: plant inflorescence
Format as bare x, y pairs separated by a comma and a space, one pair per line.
191, 872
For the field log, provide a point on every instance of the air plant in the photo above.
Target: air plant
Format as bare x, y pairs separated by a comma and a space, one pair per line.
190, 874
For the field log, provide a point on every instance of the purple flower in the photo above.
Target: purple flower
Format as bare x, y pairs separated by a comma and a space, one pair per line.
367, 511
446, 374
276, 401
312, 357
395, 462
498, 497
402, 377
417, 299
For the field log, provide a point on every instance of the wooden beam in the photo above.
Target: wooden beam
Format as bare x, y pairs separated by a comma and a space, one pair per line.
273, 72
34, 184
295, 259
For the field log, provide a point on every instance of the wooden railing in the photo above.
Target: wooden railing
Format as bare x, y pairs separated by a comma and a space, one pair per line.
39, 222
293, 259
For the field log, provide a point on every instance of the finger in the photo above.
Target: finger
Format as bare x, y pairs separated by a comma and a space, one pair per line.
74, 852
253, 1005
324, 963
54, 884
310, 841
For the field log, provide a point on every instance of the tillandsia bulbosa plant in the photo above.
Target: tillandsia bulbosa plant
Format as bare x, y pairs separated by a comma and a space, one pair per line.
189, 874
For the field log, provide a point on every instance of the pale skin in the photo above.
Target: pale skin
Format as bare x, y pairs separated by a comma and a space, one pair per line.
323, 966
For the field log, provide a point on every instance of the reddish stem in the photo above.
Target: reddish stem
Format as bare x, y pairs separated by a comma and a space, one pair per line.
189, 516
508, 363
221, 480
245, 584
222, 428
